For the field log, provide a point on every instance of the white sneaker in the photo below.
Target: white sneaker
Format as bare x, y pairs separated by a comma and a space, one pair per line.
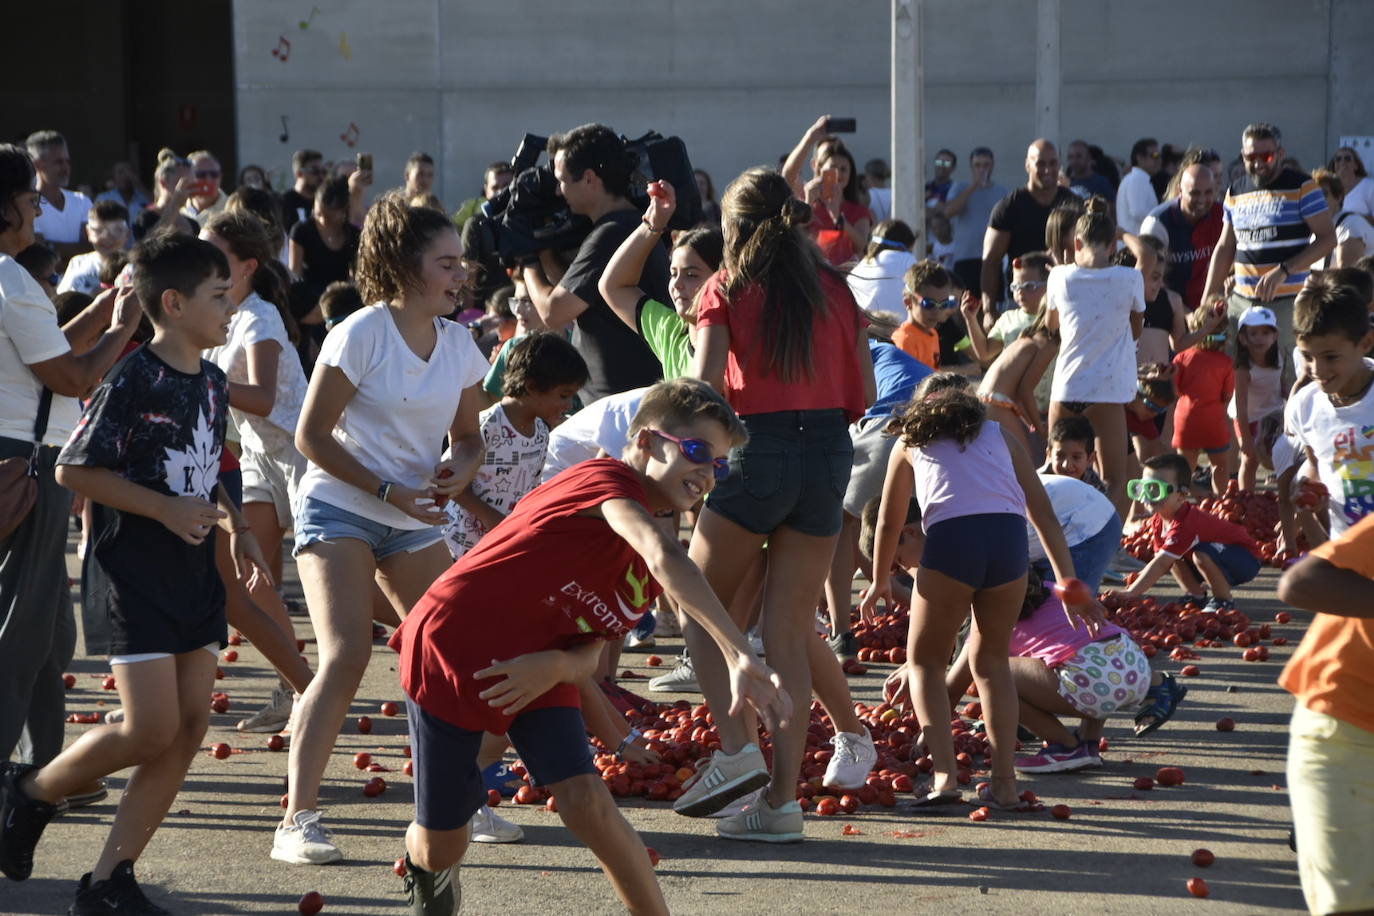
739, 804
271, 718
490, 827
762, 823
852, 761
682, 679
639, 642
721, 779
304, 841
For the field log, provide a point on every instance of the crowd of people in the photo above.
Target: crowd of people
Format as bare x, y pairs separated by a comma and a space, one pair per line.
805, 386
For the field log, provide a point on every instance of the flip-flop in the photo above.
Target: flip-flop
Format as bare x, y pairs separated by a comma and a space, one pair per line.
942, 799
985, 797
1164, 700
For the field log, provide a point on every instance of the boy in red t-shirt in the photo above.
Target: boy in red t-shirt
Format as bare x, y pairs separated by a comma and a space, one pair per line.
576, 563
1222, 552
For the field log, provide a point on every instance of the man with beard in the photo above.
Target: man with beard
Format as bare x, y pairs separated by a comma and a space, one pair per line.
1083, 181
1189, 226
1276, 225
1017, 223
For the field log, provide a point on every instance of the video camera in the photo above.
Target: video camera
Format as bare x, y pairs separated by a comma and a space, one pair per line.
529, 216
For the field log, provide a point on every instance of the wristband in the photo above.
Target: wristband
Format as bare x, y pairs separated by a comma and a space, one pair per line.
240, 529
628, 740
650, 226
384, 490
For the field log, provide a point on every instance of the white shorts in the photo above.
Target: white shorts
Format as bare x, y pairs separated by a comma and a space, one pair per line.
273, 479
1331, 791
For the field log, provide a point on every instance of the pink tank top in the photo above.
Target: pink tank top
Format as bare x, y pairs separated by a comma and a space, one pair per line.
977, 479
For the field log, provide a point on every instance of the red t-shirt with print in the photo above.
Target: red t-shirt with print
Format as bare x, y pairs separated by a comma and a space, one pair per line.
1192, 526
545, 578
752, 387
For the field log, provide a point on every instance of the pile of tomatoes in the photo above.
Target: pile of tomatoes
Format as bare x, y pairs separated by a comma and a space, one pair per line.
1257, 512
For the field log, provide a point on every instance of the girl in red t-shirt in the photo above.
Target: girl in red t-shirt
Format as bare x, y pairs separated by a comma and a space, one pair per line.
1205, 378
840, 221
780, 334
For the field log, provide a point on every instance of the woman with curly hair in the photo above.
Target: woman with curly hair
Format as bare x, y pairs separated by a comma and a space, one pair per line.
392, 381
974, 484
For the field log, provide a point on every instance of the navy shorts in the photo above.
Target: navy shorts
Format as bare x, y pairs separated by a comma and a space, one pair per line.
793, 471
981, 551
551, 742
232, 481
1237, 564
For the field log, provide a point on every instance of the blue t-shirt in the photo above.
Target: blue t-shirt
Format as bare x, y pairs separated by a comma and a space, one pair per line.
897, 373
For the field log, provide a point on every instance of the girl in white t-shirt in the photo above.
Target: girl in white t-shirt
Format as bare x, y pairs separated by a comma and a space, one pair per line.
266, 388
1099, 311
390, 383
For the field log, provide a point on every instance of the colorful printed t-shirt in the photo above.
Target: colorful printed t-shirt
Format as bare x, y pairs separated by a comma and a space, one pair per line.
509, 471
1342, 439
548, 577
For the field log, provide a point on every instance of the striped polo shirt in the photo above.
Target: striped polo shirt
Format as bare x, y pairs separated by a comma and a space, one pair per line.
1270, 225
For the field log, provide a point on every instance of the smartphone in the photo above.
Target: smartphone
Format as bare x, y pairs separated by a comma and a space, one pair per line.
841, 125
365, 162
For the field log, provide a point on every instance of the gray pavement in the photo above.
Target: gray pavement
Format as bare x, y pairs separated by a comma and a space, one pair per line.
1122, 851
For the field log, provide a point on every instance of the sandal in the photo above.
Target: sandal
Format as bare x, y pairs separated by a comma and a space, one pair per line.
985, 797
1163, 702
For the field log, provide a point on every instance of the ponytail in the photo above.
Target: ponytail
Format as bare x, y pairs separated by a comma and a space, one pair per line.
1095, 226
768, 245
248, 236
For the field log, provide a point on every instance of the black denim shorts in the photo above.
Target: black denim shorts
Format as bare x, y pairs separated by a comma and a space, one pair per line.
793, 472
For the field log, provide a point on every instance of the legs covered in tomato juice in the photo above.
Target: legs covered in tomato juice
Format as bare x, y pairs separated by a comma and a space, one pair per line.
586, 807
938, 608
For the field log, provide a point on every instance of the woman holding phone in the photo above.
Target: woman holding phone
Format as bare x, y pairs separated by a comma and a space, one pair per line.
840, 222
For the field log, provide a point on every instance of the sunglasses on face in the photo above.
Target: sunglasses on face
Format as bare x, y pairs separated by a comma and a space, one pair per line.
698, 451
944, 163
948, 303
1149, 490
1027, 286
54, 279
1261, 157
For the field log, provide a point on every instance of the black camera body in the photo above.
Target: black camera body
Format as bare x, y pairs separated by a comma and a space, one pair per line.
529, 216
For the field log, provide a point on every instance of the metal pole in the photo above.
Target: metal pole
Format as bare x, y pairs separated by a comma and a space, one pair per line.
1047, 71
908, 118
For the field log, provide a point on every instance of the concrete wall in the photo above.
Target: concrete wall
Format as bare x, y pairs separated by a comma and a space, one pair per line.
465, 79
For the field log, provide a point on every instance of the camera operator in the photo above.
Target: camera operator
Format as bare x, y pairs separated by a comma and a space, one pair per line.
593, 173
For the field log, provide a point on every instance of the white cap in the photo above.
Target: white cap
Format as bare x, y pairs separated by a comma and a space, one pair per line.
1257, 316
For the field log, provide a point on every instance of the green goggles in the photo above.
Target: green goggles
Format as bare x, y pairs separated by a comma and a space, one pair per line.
1149, 490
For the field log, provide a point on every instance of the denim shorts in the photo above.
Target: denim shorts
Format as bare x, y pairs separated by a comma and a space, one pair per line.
792, 472
1237, 564
551, 742
981, 551
319, 521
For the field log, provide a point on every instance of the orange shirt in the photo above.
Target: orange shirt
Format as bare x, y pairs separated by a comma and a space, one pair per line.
918, 342
1333, 670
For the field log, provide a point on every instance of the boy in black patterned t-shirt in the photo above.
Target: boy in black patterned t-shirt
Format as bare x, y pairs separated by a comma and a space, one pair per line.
146, 454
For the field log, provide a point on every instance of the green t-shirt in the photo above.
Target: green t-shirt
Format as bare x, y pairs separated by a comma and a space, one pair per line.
666, 334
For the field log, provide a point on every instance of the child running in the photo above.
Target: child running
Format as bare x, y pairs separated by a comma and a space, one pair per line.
974, 485
146, 454
1099, 311
1256, 408
1205, 378
576, 563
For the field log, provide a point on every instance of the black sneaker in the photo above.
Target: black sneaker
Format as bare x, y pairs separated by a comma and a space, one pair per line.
117, 895
22, 820
845, 646
432, 893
